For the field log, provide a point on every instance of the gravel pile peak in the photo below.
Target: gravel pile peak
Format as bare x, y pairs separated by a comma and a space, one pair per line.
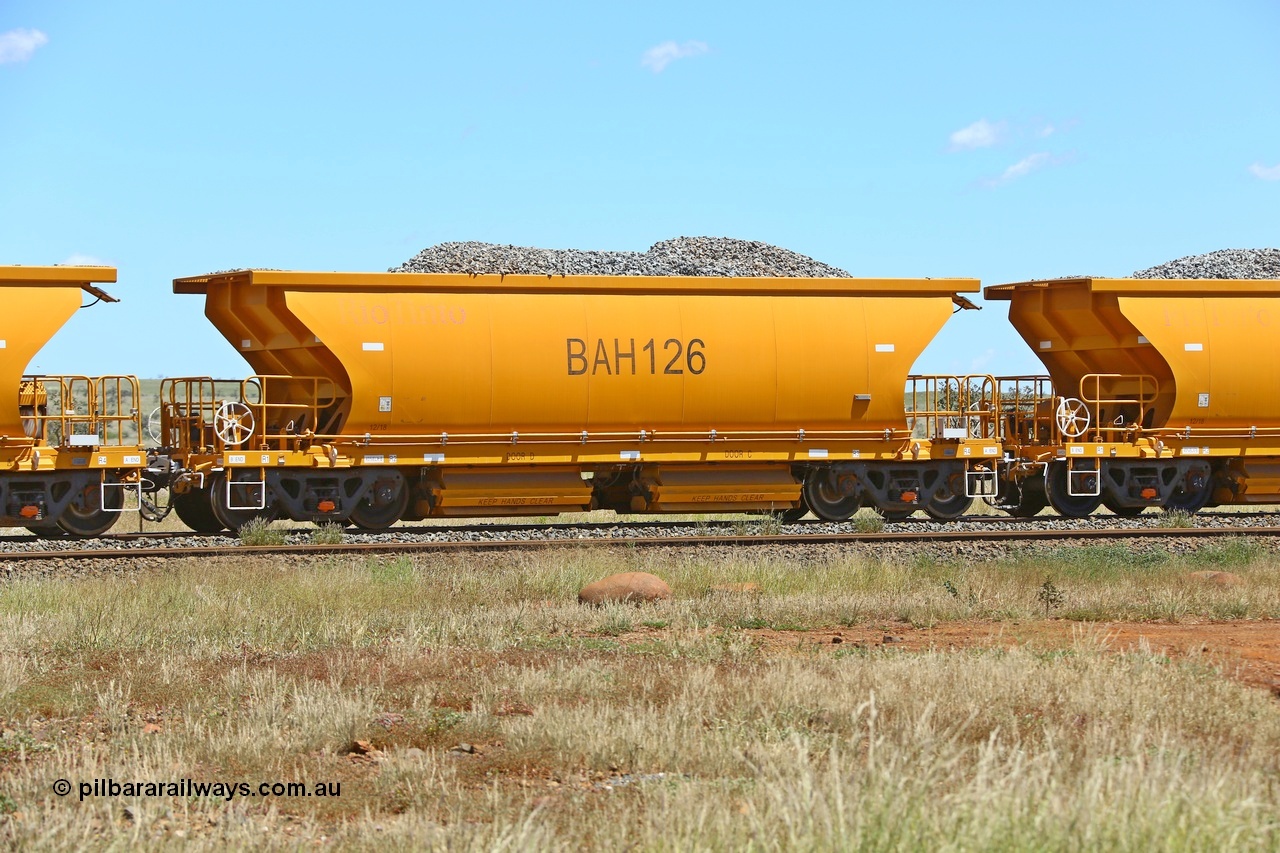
1224, 263
681, 256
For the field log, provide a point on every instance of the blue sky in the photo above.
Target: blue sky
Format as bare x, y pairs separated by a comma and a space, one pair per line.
994, 140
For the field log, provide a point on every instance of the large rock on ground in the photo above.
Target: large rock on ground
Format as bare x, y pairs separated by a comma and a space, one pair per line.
627, 586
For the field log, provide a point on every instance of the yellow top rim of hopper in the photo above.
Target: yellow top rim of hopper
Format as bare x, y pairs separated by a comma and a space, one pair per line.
467, 282
83, 276
1143, 286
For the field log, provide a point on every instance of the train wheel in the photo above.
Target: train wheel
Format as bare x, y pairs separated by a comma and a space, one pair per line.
87, 515
1072, 506
386, 503
234, 518
194, 510
949, 504
1189, 497
823, 495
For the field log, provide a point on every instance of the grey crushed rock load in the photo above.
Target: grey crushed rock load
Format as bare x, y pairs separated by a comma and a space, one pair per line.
682, 256
1224, 263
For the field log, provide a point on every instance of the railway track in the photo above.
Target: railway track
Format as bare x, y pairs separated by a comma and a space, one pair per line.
230, 547
966, 521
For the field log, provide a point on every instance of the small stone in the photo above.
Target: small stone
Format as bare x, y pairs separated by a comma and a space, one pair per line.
837, 639
634, 587
389, 720
413, 753
358, 749
889, 638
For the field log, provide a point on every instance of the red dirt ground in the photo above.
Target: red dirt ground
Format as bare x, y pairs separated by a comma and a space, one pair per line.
1248, 651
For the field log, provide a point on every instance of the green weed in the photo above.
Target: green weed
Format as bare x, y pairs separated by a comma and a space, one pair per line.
260, 532
868, 523
327, 534
1176, 518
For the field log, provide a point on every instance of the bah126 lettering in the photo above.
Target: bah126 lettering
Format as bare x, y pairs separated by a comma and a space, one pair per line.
671, 357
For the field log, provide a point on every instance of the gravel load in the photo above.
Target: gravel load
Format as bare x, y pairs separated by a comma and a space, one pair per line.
682, 256
1224, 263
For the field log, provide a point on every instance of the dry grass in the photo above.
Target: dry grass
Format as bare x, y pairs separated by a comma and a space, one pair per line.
668, 725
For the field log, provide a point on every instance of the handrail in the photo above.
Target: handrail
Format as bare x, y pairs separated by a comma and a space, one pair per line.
189, 414
587, 437
1147, 392
1026, 410
1187, 432
940, 403
89, 406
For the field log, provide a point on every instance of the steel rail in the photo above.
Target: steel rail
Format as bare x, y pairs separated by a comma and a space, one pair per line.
529, 527
734, 540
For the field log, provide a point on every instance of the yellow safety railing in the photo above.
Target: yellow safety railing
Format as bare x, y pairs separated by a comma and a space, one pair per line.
81, 411
1026, 410
262, 412
953, 407
1113, 414
645, 436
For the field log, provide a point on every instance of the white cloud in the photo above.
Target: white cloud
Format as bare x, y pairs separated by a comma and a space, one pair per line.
980, 134
1022, 168
78, 260
19, 45
1266, 173
660, 56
